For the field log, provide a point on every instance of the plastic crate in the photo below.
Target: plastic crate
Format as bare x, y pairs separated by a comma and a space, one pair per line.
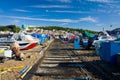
6, 53
77, 43
109, 50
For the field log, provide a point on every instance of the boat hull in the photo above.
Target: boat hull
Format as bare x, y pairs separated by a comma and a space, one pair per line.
28, 46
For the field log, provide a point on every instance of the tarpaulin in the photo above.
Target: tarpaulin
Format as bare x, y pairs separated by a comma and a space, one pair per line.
89, 34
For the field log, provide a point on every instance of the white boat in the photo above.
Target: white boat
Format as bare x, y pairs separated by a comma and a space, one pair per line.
25, 41
102, 38
26, 45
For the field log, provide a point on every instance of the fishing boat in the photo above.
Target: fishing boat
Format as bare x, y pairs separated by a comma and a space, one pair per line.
26, 45
102, 38
25, 41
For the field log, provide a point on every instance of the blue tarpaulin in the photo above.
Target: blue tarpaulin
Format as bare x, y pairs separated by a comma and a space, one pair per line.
34, 35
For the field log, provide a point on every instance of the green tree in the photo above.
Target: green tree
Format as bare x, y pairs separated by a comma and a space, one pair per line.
12, 28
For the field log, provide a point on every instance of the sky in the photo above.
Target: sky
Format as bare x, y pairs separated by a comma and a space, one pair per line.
82, 14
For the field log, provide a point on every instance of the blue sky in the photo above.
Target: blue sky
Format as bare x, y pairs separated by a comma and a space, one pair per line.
85, 14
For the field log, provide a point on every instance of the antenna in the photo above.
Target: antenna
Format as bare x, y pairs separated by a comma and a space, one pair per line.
110, 27
103, 29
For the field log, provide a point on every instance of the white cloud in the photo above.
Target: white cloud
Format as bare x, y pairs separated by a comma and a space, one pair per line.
15, 21
64, 24
100, 24
111, 8
21, 10
88, 19
58, 11
42, 19
102, 11
50, 6
101, 1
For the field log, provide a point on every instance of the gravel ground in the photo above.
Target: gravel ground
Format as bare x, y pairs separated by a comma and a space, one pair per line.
87, 55
83, 55
13, 67
32, 56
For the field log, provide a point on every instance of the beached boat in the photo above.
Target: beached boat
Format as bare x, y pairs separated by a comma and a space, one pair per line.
26, 45
25, 41
102, 38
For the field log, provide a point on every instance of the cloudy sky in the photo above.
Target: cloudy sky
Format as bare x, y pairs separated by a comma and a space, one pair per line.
85, 14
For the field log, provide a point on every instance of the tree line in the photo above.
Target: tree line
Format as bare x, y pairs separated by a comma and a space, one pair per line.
63, 28
14, 28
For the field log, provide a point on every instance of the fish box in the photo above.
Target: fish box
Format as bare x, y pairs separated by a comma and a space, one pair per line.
5, 52
77, 43
109, 50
